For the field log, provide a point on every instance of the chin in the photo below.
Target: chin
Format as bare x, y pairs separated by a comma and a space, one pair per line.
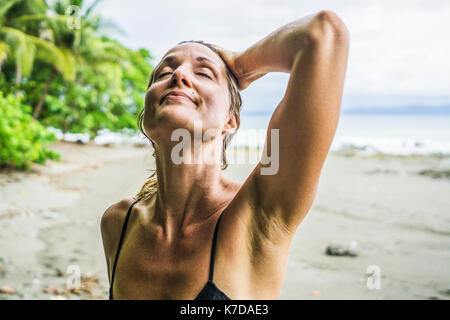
172, 117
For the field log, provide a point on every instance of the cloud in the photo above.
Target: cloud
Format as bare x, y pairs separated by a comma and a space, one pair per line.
397, 47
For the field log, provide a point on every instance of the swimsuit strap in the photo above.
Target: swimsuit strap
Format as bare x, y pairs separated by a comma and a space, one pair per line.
124, 227
213, 251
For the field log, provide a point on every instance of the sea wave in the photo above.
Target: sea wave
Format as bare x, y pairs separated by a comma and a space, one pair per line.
393, 146
359, 145
255, 138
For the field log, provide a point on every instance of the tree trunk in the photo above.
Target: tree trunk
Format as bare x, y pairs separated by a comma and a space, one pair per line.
38, 108
2, 59
18, 74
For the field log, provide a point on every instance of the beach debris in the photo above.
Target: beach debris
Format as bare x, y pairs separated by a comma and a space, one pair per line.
342, 250
88, 282
446, 292
2, 267
57, 291
382, 171
87, 290
10, 213
315, 293
59, 272
7, 290
72, 188
436, 174
73, 290
51, 289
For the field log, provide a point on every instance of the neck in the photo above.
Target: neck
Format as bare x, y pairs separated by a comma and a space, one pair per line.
188, 194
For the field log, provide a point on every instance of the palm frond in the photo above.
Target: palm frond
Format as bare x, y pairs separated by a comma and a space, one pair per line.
4, 51
4, 8
17, 42
91, 7
57, 57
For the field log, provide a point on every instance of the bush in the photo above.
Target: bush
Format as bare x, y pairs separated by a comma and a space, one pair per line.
22, 139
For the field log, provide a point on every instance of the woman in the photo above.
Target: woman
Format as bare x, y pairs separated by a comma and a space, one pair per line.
191, 233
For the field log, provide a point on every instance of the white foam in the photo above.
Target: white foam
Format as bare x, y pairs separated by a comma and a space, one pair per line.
255, 138
394, 146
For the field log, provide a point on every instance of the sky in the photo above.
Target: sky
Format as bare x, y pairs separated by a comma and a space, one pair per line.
398, 49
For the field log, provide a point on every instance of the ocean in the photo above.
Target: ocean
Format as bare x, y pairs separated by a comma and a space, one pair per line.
368, 133
396, 134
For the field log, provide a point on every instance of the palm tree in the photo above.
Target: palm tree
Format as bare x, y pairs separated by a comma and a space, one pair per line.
81, 46
22, 47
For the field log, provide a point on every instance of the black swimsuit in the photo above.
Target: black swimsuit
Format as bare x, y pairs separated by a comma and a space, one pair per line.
209, 291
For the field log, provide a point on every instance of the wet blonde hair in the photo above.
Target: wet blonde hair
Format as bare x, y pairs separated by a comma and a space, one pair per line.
150, 185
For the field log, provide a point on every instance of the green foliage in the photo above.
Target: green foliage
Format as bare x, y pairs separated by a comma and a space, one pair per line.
108, 95
22, 139
74, 79
23, 40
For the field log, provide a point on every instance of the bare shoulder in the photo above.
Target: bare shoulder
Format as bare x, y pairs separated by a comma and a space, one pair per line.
112, 222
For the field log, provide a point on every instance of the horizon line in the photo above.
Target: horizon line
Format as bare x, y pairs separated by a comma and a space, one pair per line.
403, 110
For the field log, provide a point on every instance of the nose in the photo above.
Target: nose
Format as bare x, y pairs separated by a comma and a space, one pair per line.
179, 77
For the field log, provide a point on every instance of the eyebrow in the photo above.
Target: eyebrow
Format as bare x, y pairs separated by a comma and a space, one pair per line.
170, 59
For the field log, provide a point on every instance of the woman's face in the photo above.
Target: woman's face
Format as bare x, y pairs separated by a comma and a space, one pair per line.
197, 71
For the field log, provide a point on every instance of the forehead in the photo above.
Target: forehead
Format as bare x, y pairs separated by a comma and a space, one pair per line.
194, 51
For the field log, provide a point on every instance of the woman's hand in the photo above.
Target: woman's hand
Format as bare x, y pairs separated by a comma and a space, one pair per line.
230, 58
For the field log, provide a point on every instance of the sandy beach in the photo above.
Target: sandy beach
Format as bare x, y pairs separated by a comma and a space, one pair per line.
391, 213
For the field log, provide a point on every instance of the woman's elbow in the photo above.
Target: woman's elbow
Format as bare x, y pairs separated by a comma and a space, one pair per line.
327, 25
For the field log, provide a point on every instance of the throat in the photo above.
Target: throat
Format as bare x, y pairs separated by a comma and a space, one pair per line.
173, 229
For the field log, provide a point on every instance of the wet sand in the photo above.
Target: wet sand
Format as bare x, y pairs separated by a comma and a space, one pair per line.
392, 217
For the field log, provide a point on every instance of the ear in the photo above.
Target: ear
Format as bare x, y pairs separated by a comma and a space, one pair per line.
231, 124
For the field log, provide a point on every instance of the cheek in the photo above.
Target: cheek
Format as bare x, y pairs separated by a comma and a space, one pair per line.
149, 105
151, 98
151, 102
216, 109
147, 121
216, 117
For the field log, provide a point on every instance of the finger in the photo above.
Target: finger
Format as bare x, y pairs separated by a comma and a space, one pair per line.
224, 53
217, 47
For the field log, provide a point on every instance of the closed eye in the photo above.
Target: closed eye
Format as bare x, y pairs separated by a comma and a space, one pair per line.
203, 74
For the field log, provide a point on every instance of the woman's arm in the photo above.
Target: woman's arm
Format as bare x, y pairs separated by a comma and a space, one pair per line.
307, 116
314, 50
274, 53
